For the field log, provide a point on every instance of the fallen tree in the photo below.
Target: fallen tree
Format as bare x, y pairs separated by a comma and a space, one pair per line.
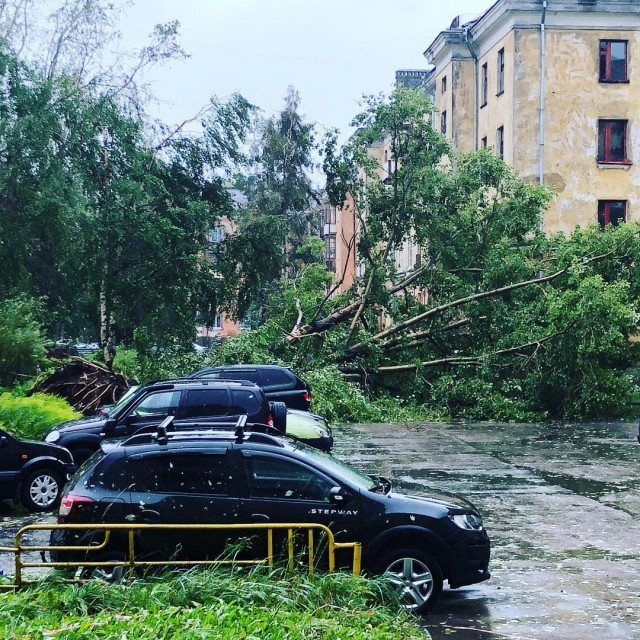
495, 319
84, 384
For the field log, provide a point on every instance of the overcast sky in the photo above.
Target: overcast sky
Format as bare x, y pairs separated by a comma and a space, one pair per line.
331, 51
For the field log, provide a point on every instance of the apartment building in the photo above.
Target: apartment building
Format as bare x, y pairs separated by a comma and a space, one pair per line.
553, 86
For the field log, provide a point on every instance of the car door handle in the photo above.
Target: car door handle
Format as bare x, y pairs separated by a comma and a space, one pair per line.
260, 517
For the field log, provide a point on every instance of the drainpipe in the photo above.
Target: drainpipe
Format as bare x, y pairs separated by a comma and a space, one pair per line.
543, 90
475, 87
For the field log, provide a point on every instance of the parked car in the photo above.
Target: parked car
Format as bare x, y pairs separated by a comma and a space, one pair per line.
308, 427
218, 477
187, 400
278, 382
32, 473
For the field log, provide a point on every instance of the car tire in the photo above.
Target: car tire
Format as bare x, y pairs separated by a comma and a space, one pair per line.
41, 490
112, 574
81, 454
279, 414
416, 576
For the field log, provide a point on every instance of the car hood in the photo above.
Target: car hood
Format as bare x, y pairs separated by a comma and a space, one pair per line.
446, 501
81, 424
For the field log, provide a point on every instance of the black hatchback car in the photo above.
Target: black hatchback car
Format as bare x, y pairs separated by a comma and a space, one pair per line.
32, 473
217, 477
186, 400
279, 383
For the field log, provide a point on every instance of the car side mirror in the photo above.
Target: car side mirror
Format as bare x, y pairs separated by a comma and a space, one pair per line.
110, 425
3, 441
339, 496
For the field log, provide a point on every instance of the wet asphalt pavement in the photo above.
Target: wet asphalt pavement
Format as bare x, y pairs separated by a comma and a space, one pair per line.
561, 505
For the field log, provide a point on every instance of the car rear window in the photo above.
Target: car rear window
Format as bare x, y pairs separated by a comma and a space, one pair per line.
241, 374
110, 476
276, 378
245, 401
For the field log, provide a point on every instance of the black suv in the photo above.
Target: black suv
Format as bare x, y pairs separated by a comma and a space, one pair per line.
217, 477
279, 383
187, 400
32, 473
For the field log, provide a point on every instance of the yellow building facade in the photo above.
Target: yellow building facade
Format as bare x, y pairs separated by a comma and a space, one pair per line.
553, 86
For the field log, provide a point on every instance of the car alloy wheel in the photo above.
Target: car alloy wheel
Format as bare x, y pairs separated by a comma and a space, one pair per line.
416, 576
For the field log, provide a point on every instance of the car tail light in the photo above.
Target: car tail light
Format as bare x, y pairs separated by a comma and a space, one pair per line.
270, 420
69, 507
307, 396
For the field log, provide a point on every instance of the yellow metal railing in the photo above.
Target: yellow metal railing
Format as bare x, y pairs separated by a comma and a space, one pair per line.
131, 562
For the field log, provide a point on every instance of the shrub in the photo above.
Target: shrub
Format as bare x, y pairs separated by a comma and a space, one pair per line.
23, 345
339, 400
211, 604
32, 417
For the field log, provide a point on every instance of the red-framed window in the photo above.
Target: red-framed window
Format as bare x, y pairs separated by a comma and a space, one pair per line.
612, 141
614, 61
612, 212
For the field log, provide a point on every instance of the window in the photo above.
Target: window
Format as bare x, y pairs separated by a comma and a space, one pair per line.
330, 215
484, 89
158, 405
484, 143
207, 402
277, 378
443, 122
500, 71
282, 479
500, 142
217, 322
331, 247
237, 374
613, 61
612, 141
444, 84
611, 212
217, 235
245, 401
330, 254
182, 473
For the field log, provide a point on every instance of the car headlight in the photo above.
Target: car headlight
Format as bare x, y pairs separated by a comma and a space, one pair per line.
320, 432
468, 521
52, 436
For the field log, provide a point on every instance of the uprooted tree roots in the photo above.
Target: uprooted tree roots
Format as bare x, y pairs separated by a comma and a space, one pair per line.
84, 384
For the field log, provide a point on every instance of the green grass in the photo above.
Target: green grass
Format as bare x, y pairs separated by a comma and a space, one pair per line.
205, 604
32, 417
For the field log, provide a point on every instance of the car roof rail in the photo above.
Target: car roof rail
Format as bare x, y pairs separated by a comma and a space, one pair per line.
242, 421
163, 427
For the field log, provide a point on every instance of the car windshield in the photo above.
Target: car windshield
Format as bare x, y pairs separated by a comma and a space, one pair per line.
117, 407
339, 469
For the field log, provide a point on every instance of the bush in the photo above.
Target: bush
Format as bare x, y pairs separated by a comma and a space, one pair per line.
211, 604
339, 400
32, 417
23, 345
